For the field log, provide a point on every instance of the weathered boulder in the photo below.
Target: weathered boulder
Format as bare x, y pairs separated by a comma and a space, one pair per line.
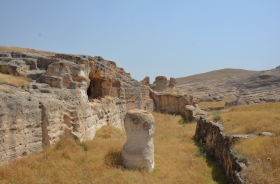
172, 82
195, 112
138, 151
160, 83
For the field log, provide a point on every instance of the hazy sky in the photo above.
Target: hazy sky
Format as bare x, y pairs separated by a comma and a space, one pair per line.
150, 37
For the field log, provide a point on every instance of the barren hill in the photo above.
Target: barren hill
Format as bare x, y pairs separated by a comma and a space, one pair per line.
223, 74
233, 86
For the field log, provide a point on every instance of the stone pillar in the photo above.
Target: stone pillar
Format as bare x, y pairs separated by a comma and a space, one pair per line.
138, 151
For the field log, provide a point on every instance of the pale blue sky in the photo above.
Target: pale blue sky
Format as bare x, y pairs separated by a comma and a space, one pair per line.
150, 37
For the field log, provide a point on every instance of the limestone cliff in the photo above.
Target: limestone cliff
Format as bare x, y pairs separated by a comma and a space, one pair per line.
74, 94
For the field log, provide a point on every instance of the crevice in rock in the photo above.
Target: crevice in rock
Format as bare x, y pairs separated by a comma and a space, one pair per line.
44, 125
67, 122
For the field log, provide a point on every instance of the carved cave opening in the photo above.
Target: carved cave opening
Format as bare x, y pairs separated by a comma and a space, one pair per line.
100, 87
95, 88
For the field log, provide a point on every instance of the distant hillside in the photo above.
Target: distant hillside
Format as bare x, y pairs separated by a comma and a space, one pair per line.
234, 86
222, 74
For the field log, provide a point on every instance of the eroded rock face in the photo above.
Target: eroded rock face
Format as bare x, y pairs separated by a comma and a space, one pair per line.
173, 104
145, 81
172, 82
73, 94
138, 151
161, 83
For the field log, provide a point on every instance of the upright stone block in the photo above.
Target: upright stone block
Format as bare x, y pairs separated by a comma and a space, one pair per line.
138, 151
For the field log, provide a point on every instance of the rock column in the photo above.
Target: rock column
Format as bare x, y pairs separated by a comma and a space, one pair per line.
138, 151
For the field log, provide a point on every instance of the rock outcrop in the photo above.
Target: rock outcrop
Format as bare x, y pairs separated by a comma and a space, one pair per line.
160, 83
138, 151
145, 81
172, 83
173, 104
69, 93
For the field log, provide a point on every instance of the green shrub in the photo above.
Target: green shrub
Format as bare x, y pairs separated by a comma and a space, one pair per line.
182, 121
152, 86
3, 70
235, 152
200, 152
217, 116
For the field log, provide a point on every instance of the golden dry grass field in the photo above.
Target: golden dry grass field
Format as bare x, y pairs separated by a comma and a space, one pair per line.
261, 152
99, 160
19, 49
17, 81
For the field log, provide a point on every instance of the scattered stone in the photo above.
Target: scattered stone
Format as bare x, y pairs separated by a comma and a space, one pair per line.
265, 134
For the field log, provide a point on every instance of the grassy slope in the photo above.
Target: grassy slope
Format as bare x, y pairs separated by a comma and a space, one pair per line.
17, 81
99, 160
19, 49
261, 152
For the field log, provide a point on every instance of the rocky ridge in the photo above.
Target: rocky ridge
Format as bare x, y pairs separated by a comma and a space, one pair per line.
74, 94
236, 87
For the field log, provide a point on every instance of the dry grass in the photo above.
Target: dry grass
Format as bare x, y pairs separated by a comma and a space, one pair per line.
212, 105
19, 49
173, 91
263, 155
99, 160
262, 152
251, 119
17, 81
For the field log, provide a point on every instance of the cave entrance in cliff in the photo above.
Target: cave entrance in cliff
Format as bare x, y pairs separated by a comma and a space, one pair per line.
100, 87
95, 88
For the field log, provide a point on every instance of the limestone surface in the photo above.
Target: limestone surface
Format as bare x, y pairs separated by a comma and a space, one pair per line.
172, 82
74, 94
138, 151
160, 83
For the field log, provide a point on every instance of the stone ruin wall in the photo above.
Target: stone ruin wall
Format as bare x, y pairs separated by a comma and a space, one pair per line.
219, 145
172, 104
69, 94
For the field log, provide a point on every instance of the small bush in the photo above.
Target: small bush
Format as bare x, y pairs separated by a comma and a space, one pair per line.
235, 152
3, 70
152, 86
217, 116
200, 152
182, 121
